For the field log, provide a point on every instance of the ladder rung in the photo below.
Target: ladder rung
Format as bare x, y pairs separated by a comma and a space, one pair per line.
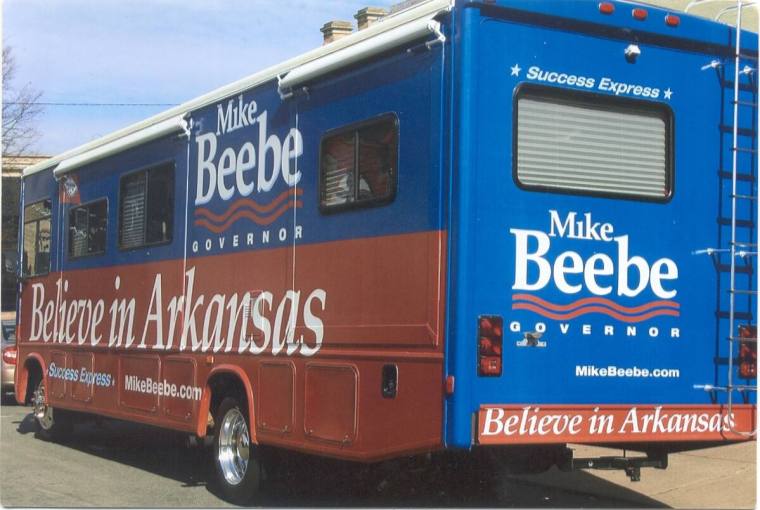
725, 174
741, 131
748, 339
739, 223
742, 316
745, 197
736, 387
745, 103
729, 84
744, 292
745, 149
726, 268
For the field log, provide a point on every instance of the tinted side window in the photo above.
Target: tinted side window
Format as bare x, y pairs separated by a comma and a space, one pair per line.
87, 229
146, 207
358, 165
36, 256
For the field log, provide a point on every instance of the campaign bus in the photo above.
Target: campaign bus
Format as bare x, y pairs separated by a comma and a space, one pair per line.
478, 225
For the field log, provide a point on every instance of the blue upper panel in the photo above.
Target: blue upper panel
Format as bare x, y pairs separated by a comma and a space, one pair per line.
585, 15
272, 158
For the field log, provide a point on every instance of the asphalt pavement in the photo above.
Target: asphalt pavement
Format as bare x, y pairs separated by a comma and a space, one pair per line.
118, 464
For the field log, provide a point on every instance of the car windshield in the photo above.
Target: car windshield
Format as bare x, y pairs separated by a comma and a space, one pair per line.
9, 333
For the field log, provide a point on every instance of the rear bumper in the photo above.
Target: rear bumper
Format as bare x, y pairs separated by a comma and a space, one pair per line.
542, 424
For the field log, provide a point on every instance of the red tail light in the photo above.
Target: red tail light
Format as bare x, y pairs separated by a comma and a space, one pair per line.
10, 354
490, 334
748, 352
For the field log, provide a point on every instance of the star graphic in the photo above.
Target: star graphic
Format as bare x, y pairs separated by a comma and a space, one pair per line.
516, 70
668, 93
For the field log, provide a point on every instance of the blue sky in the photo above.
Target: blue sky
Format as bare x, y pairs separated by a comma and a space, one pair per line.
149, 51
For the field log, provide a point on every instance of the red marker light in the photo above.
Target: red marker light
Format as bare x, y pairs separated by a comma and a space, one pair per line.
449, 385
10, 355
639, 14
606, 8
672, 20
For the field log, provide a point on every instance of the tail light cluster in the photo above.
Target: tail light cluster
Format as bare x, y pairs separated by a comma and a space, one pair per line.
10, 354
748, 351
639, 14
490, 334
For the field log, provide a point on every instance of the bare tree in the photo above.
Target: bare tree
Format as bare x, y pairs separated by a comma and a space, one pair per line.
20, 109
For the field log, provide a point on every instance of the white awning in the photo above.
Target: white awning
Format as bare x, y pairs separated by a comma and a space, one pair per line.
360, 51
173, 125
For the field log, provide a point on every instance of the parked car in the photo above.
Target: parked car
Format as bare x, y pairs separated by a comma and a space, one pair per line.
9, 351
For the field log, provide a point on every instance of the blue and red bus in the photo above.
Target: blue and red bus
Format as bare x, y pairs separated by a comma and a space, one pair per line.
496, 224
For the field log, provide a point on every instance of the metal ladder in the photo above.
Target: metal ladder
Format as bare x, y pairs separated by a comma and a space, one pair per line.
743, 244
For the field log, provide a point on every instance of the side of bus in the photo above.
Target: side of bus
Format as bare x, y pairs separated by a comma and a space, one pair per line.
287, 254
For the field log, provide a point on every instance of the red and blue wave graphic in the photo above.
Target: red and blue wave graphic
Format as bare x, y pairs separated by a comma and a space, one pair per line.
246, 208
599, 305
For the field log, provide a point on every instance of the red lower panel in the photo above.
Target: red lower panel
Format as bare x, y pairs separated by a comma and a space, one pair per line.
527, 424
312, 340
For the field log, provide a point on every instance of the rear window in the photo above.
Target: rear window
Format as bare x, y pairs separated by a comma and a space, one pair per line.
585, 143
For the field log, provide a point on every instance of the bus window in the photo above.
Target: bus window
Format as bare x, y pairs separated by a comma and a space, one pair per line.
358, 165
87, 229
584, 143
36, 256
146, 207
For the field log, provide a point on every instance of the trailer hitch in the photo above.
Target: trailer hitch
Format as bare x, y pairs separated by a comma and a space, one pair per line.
631, 465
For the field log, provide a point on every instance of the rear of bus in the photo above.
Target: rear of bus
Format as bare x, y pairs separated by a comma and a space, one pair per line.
593, 216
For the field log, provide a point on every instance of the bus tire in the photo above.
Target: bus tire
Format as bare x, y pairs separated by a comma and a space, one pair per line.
236, 459
52, 424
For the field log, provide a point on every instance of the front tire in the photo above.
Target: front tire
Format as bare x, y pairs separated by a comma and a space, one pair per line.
236, 459
52, 424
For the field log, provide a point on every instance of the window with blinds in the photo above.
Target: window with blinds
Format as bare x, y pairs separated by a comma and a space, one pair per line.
358, 164
146, 207
587, 144
36, 238
87, 229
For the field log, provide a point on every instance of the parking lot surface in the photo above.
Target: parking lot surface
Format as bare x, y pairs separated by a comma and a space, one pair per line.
118, 464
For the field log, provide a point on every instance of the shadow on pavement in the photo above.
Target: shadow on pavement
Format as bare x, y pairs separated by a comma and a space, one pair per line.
301, 480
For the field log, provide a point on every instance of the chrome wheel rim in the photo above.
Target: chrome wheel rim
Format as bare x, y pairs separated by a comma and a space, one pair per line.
234, 445
42, 412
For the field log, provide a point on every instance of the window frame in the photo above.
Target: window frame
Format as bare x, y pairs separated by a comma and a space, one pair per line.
355, 127
70, 255
170, 165
586, 99
32, 273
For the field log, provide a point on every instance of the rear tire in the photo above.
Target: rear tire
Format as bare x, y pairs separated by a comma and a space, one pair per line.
52, 424
236, 459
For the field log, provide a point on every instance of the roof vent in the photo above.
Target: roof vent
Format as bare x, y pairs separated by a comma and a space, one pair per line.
334, 30
368, 16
